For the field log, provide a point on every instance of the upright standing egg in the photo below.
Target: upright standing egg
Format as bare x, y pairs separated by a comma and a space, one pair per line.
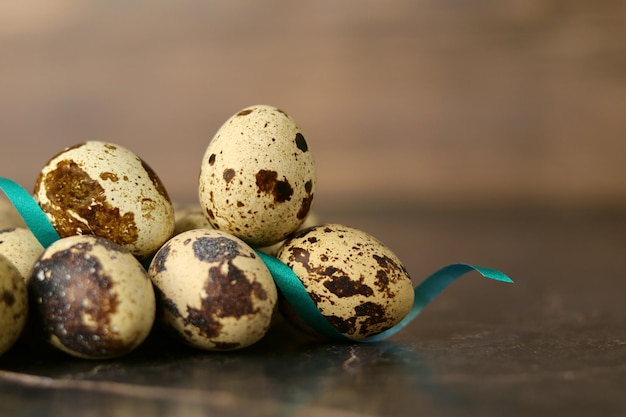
257, 178
105, 190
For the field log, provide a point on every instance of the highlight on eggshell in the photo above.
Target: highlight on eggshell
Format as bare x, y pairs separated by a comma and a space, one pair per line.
257, 178
356, 282
102, 189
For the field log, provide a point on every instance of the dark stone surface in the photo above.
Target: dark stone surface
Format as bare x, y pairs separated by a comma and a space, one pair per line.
552, 344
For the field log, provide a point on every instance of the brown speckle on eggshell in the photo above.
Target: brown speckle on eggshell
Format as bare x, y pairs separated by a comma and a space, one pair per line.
92, 297
105, 190
214, 292
357, 283
257, 178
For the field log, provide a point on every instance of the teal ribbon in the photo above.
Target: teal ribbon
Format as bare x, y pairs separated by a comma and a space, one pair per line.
297, 296
286, 280
29, 210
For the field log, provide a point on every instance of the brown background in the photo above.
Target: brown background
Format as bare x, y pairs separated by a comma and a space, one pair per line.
402, 101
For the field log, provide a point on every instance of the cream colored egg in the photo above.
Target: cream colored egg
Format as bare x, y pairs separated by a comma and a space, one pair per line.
357, 283
13, 304
20, 246
105, 190
92, 296
215, 291
257, 178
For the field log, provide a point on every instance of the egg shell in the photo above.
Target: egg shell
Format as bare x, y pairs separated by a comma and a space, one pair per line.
92, 297
190, 218
356, 282
20, 246
13, 304
257, 178
214, 291
311, 220
106, 190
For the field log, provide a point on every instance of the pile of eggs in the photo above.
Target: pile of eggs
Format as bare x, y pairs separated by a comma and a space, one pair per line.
127, 260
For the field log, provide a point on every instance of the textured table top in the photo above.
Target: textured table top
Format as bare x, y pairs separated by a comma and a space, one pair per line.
553, 343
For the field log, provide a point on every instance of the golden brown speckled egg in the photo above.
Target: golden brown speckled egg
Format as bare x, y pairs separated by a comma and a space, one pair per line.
20, 246
357, 283
214, 291
257, 178
105, 190
13, 304
92, 297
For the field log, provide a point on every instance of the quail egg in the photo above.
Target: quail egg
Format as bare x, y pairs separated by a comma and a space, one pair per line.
102, 189
214, 291
257, 178
92, 297
356, 282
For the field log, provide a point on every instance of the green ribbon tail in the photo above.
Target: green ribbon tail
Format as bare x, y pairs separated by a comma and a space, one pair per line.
29, 210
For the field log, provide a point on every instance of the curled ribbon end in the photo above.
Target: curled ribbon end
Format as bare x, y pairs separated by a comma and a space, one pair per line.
493, 274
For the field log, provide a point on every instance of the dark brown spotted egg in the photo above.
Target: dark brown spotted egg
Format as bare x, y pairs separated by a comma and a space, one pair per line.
92, 297
257, 178
21, 247
105, 190
214, 292
357, 283
13, 304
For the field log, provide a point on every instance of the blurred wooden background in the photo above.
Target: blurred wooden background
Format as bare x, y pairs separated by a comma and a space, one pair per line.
402, 101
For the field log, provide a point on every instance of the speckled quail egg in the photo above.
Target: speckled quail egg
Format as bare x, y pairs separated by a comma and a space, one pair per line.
214, 291
257, 178
92, 297
357, 283
13, 304
20, 246
105, 190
